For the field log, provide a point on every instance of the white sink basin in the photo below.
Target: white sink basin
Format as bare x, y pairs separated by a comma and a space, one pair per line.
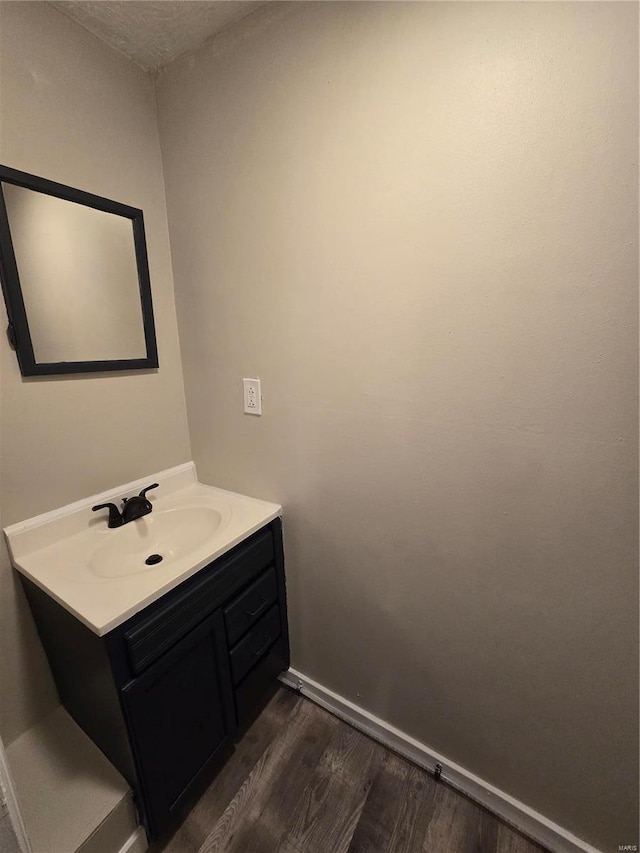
171, 535
100, 574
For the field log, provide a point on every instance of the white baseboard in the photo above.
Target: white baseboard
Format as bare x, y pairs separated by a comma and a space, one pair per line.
136, 843
512, 811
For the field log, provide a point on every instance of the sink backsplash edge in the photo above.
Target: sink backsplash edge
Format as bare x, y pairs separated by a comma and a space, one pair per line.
32, 534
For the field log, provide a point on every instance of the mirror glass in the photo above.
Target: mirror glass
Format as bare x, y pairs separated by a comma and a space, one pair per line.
78, 276
75, 278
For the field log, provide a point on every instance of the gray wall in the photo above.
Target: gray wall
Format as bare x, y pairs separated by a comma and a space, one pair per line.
417, 223
76, 112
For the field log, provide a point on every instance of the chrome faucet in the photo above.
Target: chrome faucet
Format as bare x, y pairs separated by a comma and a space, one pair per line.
132, 508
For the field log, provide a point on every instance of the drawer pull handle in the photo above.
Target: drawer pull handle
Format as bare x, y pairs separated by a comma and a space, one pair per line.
255, 612
262, 649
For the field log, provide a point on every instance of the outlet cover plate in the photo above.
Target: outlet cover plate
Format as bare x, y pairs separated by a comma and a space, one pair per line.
252, 396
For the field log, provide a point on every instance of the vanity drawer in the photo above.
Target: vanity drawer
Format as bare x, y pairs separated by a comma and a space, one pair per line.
263, 677
194, 601
250, 649
251, 605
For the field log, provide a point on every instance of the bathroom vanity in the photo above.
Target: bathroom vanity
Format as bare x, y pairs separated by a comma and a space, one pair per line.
166, 689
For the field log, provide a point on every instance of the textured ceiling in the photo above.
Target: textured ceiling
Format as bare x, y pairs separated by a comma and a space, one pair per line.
153, 33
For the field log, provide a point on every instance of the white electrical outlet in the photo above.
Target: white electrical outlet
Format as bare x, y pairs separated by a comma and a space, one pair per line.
252, 396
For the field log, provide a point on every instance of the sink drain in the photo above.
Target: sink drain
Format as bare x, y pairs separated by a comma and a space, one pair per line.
152, 559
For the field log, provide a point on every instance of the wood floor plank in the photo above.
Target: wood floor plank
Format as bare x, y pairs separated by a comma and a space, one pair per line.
265, 730
279, 778
270, 815
382, 808
330, 808
398, 811
454, 824
418, 803
487, 838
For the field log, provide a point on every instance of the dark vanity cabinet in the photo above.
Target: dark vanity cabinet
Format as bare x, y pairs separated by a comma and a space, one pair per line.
166, 694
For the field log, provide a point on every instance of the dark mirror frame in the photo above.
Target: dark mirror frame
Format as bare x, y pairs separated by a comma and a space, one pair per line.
18, 329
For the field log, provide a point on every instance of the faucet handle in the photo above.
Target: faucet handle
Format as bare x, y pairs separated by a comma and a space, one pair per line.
115, 519
137, 506
143, 493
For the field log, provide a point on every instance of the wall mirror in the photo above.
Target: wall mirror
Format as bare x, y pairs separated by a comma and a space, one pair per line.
75, 279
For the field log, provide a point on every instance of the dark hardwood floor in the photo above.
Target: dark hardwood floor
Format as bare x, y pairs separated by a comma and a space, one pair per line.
302, 781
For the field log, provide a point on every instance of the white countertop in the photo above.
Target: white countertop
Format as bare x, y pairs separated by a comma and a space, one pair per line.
55, 550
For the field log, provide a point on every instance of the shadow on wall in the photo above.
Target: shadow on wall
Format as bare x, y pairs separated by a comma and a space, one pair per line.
23, 701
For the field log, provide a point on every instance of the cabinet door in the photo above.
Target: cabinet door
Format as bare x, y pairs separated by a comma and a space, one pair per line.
180, 718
